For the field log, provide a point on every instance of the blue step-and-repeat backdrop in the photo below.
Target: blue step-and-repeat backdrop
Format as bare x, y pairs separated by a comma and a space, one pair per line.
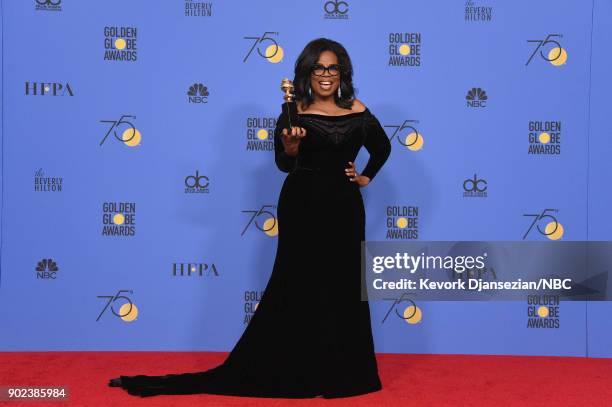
139, 188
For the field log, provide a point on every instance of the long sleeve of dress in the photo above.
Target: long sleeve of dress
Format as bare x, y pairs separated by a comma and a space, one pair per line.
378, 145
284, 162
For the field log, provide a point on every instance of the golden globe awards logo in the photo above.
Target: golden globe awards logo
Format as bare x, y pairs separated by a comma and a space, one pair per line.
543, 311
118, 219
194, 269
48, 89
43, 183
402, 222
544, 138
405, 49
477, 13
120, 44
197, 9
49, 5
251, 301
260, 133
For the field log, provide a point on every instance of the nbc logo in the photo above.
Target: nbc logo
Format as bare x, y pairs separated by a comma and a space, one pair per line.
476, 97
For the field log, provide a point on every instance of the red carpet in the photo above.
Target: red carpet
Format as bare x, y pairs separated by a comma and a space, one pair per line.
408, 380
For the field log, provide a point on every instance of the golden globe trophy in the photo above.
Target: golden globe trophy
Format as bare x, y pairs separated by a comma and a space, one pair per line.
289, 107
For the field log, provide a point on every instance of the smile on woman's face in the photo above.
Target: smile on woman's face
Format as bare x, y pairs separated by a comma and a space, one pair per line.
326, 85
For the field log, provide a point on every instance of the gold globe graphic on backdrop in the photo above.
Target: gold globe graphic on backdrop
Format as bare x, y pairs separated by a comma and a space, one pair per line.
262, 134
118, 219
270, 227
557, 56
544, 138
120, 43
404, 49
131, 137
414, 141
275, 53
401, 222
554, 230
127, 314
543, 311
413, 314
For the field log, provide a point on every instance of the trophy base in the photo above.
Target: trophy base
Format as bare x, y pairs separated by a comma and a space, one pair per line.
290, 110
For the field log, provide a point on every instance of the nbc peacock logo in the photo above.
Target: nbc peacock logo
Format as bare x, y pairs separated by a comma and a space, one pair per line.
198, 93
476, 97
46, 269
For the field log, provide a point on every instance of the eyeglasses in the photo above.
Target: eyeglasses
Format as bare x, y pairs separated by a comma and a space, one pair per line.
319, 70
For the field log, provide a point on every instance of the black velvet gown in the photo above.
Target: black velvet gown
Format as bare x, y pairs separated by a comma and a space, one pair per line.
310, 334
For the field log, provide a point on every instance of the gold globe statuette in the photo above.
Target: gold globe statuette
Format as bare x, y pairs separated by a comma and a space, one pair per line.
289, 106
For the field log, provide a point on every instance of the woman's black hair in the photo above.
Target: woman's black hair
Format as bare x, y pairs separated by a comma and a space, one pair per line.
309, 57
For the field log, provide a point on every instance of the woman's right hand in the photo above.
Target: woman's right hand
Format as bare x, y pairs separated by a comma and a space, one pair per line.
291, 141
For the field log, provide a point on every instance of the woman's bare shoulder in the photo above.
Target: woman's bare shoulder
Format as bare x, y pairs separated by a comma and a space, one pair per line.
358, 105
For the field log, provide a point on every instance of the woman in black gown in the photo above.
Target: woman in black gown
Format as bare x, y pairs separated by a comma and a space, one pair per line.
310, 334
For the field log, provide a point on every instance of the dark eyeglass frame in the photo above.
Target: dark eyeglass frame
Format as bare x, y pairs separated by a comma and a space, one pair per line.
315, 67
